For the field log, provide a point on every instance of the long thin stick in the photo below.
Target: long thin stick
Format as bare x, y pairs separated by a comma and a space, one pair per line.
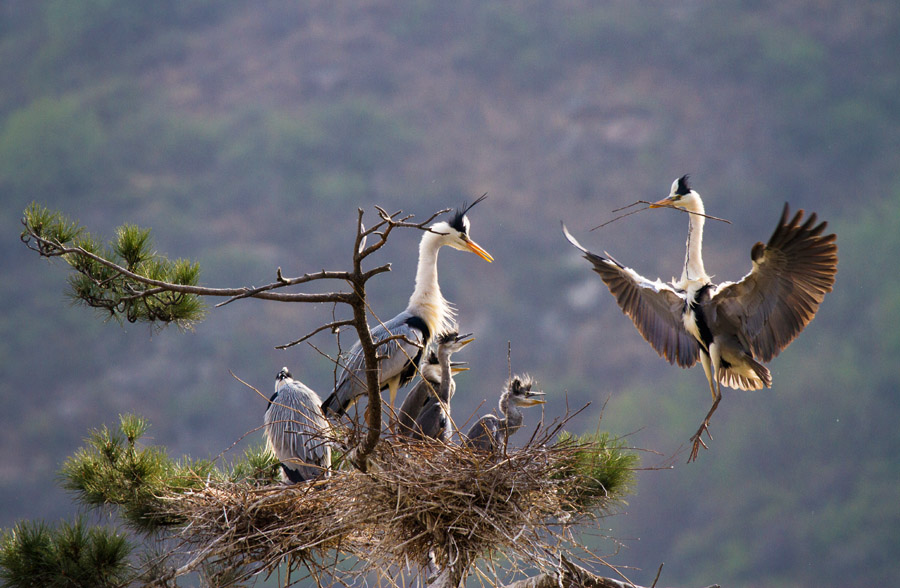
648, 206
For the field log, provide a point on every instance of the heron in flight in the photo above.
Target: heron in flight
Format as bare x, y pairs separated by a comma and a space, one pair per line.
425, 412
427, 315
296, 432
491, 432
732, 327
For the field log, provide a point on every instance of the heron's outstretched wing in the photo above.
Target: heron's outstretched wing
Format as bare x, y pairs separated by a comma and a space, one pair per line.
655, 308
297, 432
397, 358
791, 275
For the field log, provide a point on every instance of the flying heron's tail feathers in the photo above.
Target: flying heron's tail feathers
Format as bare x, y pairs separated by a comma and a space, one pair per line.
756, 377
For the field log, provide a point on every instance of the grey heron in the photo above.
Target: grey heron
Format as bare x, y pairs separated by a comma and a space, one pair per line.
491, 432
426, 315
732, 327
296, 431
425, 410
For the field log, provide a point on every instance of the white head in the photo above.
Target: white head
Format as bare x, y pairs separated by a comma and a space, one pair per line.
455, 232
681, 196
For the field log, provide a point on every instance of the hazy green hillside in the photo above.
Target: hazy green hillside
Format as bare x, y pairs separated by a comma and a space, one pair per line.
246, 134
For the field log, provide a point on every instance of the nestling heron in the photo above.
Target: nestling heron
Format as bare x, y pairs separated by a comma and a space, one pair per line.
425, 412
732, 327
296, 431
491, 432
427, 314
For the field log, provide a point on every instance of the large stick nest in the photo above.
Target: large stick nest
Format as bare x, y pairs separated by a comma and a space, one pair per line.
418, 502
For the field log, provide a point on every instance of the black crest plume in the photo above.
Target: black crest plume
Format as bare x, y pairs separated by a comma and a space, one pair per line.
457, 221
683, 189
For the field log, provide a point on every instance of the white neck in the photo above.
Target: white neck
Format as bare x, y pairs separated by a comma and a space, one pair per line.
426, 300
693, 257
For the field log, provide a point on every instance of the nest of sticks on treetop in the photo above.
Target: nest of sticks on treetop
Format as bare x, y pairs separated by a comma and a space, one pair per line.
419, 502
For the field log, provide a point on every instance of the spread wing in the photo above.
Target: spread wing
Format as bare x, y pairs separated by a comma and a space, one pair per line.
655, 308
791, 275
397, 358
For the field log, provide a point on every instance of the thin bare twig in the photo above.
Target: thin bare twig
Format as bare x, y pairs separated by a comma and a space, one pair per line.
333, 326
648, 206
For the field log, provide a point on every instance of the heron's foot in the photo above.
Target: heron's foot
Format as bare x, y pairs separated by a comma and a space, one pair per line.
697, 440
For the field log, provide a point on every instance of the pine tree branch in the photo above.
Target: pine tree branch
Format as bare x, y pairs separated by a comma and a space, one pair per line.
49, 248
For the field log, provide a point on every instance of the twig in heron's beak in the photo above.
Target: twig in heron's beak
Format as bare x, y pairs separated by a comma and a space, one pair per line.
624, 215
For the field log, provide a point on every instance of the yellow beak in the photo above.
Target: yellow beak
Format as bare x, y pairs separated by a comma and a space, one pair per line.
476, 248
665, 202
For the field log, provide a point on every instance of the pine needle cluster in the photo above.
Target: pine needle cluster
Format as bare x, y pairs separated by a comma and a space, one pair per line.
602, 466
104, 277
71, 555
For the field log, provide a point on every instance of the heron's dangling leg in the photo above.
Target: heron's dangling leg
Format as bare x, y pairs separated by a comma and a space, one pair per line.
708, 370
715, 387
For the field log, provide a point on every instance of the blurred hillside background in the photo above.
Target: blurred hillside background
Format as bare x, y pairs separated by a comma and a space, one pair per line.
246, 134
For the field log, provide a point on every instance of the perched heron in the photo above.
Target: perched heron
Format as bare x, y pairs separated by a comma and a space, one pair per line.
732, 327
426, 315
296, 431
490, 432
425, 412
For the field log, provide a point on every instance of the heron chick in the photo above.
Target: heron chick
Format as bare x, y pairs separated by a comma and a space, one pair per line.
296, 432
425, 412
491, 432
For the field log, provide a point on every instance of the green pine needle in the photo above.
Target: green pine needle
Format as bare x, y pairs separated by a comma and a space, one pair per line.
604, 468
108, 289
72, 556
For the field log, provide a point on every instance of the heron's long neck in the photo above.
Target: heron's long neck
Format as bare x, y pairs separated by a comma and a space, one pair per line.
513, 416
446, 390
693, 258
426, 300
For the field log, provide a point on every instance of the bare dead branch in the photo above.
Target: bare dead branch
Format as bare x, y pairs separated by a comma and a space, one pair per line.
332, 326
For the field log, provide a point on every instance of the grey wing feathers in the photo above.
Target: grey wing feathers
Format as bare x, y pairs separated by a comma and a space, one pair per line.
655, 308
432, 422
484, 434
395, 355
297, 432
413, 405
791, 275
